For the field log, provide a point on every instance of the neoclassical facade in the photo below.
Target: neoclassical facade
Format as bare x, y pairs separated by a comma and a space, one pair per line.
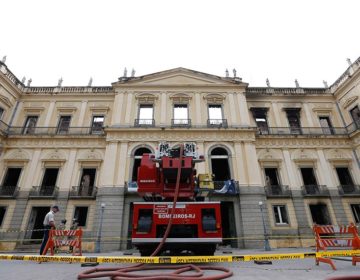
296, 150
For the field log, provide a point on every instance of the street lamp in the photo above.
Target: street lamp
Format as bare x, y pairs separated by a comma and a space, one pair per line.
98, 240
266, 236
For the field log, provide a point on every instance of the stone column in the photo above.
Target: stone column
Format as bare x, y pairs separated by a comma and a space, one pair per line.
69, 170
198, 108
81, 119
325, 173
201, 167
117, 109
290, 171
122, 159
276, 113
253, 169
244, 114
231, 107
29, 178
129, 105
163, 108
14, 122
49, 113
108, 168
241, 171
308, 115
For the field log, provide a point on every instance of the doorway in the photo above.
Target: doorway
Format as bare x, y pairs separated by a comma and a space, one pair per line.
36, 222
228, 223
320, 214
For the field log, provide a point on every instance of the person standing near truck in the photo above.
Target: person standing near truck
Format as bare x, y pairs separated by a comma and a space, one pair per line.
49, 223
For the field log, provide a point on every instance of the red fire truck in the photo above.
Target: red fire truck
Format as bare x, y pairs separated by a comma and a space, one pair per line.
196, 224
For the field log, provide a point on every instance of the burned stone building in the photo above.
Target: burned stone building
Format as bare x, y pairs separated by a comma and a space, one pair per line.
296, 150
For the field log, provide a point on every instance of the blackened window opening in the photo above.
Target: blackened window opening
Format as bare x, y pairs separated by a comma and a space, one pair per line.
271, 177
320, 214
260, 116
293, 116
344, 176
220, 164
2, 214
50, 177
355, 114
97, 124
81, 215
355, 208
326, 125
137, 160
12, 176
308, 176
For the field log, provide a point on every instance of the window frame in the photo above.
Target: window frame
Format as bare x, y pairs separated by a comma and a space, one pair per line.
26, 127
357, 216
146, 105
221, 106
58, 129
278, 211
2, 113
178, 121
4, 217
97, 129
87, 215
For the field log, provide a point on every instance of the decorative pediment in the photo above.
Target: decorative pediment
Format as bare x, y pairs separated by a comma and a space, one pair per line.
180, 98
17, 155
146, 98
338, 155
350, 101
54, 156
4, 100
214, 98
304, 155
90, 156
178, 77
269, 155
34, 109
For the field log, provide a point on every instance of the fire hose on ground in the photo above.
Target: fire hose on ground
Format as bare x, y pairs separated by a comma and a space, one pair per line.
127, 273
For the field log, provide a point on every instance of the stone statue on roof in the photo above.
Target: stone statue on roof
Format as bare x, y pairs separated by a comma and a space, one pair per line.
234, 71
125, 72
267, 82
325, 84
297, 83
3, 59
348, 61
60, 82
23, 80
227, 73
133, 73
90, 82
29, 82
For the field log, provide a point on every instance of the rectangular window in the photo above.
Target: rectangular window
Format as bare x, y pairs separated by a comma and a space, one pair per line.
355, 114
2, 215
215, 115
146, 114
281, 217
355, 208
50, 177
325, 123
12, 177
260, 116
87, 181
80, 215
181, 114
293, 116
1, 112
271, 177
64, 124
344, 176
30, 124
308, 176
97, 124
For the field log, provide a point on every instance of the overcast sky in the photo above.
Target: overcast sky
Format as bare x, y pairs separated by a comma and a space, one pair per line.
280, 40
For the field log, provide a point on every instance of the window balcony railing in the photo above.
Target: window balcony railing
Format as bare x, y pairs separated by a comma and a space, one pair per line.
81, 192
44, 192
278, 191
315, 190
3, 128
8, 191
217, 123
144, 123
16, 130
349, 190
181, 122
302, 131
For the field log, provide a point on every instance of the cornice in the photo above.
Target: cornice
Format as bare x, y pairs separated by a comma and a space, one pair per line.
51, 142
295, 143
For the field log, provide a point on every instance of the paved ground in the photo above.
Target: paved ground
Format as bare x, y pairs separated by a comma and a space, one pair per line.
278, 270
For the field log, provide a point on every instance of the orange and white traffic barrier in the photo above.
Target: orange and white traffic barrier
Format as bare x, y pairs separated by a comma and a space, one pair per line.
59, 238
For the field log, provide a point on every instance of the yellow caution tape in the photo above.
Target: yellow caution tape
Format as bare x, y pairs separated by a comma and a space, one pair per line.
180, 259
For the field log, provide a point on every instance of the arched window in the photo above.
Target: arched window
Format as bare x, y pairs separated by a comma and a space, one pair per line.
220, 164
137, 160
